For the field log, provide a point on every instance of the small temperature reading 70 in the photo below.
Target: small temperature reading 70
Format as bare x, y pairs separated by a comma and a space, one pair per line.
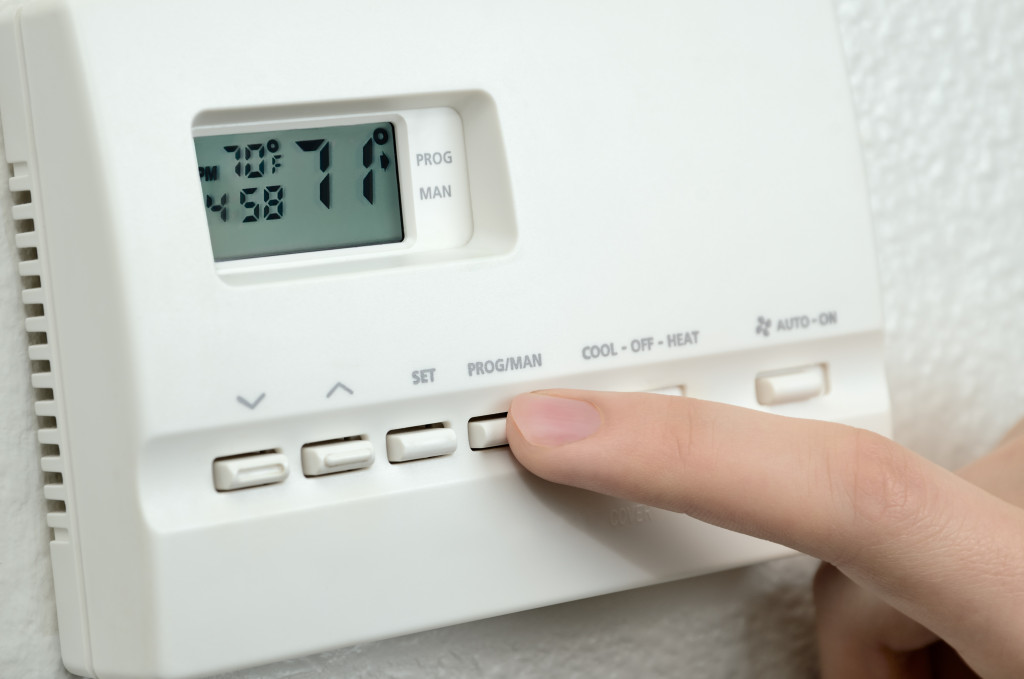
265, 164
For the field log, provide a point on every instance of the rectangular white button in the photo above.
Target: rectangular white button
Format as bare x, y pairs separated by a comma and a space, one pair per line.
792, 385
336, 456
487, 433
420, 443
669, 391
246, 471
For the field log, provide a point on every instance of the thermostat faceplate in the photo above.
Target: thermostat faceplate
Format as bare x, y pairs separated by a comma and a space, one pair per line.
290, 449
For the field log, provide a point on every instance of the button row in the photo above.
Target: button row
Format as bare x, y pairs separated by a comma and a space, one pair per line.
330, 457
435, 440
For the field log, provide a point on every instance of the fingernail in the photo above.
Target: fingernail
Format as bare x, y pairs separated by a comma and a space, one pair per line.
553, 420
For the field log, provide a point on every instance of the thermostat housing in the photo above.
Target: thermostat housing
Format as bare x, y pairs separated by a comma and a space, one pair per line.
286, 265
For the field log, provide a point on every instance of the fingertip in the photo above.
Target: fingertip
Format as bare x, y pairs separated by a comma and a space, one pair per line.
588, 439
547, 419
541, 427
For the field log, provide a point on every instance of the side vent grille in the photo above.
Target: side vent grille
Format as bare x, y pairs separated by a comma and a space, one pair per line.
39, 353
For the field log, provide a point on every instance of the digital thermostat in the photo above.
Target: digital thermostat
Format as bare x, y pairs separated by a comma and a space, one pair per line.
286, 265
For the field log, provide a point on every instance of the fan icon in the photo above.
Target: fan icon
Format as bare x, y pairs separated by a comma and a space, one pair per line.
764, 326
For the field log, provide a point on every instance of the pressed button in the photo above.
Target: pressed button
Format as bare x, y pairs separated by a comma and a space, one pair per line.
336, 456
487, 433
417, 444
787, 386
246, 471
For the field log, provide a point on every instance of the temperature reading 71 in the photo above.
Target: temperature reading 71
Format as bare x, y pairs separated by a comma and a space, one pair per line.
322, 147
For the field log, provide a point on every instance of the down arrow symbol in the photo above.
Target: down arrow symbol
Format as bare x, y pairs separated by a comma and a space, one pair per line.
252, 405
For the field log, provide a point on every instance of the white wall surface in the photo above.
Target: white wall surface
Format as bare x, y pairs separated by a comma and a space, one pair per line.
938, 86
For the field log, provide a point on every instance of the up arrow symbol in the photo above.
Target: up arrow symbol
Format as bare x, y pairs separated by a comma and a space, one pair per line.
251, 405
336, 387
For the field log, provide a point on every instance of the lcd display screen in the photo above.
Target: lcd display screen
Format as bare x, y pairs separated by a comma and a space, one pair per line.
300, 190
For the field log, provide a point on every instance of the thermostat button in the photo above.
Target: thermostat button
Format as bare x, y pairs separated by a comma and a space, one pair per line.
668, 391
799, 384
336, 456
420, 443
246, 471
488, 433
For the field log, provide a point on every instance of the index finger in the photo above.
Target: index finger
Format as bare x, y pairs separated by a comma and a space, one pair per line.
934, 546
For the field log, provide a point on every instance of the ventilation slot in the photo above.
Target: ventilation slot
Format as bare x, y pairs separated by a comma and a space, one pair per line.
37, 324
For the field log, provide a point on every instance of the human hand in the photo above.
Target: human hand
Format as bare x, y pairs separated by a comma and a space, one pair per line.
917, 554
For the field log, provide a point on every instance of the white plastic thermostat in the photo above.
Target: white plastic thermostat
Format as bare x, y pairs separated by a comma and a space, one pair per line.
286, 265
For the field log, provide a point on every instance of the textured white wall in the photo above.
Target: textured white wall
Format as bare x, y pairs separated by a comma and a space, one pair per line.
941, 111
